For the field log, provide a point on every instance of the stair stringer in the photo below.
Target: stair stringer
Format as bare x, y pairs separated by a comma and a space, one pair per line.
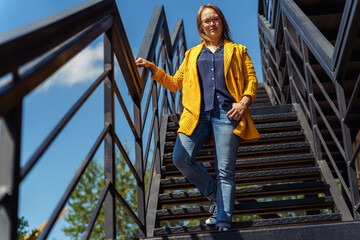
155, 183
324, 168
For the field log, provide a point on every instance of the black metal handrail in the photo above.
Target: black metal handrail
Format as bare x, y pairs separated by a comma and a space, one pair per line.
294, 80
34, 53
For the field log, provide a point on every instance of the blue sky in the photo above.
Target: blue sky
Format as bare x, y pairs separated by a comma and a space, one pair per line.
43, 108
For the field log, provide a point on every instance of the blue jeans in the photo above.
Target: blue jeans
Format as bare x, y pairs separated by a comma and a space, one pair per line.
226, 145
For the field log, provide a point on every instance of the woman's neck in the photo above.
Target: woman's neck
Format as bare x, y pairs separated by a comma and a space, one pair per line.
214, 43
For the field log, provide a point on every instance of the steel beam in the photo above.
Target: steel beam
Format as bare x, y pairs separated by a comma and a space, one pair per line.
10, 172
38, 38
109, 158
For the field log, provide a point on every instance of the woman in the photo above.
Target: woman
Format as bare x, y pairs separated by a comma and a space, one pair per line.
219, 84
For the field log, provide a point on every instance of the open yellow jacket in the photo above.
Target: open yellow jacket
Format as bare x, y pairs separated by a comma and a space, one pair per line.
240, 80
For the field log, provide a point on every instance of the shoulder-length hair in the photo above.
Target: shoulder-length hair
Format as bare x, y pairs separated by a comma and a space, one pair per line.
226, 30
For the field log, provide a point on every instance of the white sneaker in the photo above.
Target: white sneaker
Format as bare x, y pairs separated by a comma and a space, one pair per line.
210, 220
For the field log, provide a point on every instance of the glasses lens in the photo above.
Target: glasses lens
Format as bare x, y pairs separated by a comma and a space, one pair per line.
209, 20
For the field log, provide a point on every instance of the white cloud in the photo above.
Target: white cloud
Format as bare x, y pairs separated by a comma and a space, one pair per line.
84, 67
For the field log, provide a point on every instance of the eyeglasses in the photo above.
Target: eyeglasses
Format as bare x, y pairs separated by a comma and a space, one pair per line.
208, 21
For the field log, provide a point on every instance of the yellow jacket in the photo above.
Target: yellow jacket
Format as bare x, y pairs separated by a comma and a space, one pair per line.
240, 80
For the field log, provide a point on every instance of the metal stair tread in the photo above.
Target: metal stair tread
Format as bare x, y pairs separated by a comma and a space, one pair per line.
257, 148
268, 112
261, 95
173, 126
246, 207
273, 116
244, 193
242, 175
260, 126
253, 161
258, 100
250, 224
263, 136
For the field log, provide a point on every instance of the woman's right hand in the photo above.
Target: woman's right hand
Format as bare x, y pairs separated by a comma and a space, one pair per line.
141, 62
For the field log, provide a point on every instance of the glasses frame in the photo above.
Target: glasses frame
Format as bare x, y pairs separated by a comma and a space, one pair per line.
215, 20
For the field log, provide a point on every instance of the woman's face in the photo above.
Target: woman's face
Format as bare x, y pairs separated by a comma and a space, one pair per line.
211, 24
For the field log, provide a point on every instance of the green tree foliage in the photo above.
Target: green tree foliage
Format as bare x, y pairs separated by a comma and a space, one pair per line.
84, 199
22, 233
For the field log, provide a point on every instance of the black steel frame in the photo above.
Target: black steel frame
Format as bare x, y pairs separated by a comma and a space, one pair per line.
43, 54
287, 38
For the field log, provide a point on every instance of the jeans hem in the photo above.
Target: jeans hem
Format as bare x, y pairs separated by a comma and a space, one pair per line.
212, 195
223, 224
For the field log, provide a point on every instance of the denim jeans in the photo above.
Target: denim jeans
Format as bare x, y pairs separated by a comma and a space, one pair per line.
226, 145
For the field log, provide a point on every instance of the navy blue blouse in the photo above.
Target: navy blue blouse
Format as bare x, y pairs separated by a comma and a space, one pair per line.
210, 67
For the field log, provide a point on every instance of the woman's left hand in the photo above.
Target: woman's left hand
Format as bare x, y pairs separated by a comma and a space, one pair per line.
236, 112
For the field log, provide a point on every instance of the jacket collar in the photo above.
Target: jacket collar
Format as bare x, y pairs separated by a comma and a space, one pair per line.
197, 49
228, 52
195, 53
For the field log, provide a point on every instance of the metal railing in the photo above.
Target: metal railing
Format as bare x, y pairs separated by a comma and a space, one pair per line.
44, 48
290, 43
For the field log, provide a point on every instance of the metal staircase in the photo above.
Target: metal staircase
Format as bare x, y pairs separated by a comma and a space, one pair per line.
310, 57
276, 176
298, 181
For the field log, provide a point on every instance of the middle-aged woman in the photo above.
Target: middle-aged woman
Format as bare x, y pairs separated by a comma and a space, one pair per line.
218, 83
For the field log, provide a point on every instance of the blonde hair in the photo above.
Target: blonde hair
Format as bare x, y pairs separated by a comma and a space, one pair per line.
225, 31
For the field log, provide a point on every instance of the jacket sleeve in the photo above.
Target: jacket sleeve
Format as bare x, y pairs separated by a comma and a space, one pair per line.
250, 80
173, 83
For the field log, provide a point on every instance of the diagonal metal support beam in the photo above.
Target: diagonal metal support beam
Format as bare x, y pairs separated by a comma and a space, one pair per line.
354, 96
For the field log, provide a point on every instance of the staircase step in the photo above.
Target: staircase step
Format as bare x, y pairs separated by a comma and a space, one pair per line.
265, 223
261, 88
258, 150
277, 137
251, 164
261, 100
274, 117
260, 114
265, 137
248, 193
261, 91
276, 126
276, 109
260, 104
261, 95
252, 178
268, 112
249, 208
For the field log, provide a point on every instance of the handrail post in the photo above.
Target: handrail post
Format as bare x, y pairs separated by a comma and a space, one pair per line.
10, 171
163, 66
288, 62
139, 165
155, 98
109, 153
